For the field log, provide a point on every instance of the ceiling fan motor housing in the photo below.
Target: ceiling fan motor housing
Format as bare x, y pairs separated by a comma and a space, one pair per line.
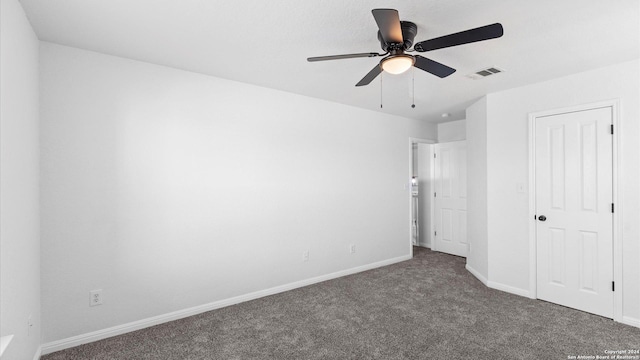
409, 31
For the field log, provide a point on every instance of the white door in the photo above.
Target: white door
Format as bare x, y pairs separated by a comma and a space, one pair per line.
574, 210
450, 218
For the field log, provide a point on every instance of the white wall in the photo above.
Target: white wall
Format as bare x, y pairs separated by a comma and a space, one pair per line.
169, 189
428, 130
19, 181
507, 154
476, 128
452, 131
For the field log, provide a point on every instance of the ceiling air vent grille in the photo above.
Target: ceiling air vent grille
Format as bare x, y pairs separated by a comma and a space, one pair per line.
481, 74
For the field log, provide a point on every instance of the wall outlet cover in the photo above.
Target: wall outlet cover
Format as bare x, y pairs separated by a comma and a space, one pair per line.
95, 297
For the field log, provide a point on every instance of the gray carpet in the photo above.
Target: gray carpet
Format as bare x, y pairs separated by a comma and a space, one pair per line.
429, 307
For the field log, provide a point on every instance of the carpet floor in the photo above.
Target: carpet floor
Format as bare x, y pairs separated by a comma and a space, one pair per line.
428, 307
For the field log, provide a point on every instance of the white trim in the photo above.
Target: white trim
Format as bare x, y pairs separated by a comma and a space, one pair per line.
477, 274
617, 168
422, 141
497, 286
628, 320
533, 268
144, 323
4, 343
509, 289
432, 176
617, 215
38, 353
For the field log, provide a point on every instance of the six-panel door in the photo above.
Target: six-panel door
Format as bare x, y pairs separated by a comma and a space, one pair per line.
574, 224
450, 209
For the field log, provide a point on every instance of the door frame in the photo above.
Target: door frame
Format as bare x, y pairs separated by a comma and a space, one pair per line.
617, 175
412, 141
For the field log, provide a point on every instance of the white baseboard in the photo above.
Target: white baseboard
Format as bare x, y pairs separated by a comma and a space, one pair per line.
38, 353
509, 289
160, 319
475, 273
627, 320
4, 343
495, 285
425, 244
631, 321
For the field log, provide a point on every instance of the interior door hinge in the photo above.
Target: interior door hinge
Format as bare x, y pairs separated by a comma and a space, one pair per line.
435, 233
611, 129
612, 207
434, 194
613, 286
434, 156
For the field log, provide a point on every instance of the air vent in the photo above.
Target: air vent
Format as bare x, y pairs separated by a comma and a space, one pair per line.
481, 74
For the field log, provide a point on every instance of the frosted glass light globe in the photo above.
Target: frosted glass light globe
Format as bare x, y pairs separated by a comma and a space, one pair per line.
397, 64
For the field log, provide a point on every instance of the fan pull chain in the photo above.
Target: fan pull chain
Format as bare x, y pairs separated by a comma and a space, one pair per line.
413, 88
381, 75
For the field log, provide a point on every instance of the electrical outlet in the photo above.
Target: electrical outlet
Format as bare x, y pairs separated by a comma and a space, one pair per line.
305, 255
352, 248
95, 297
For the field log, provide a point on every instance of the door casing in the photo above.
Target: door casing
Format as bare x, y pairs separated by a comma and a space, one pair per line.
617, 195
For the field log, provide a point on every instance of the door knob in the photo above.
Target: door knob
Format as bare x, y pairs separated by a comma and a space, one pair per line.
542, 218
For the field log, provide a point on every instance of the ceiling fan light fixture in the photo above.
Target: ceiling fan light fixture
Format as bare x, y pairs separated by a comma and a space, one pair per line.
397, 64
397, 36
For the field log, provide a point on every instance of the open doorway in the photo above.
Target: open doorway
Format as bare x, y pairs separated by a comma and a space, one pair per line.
439, 222
421, 198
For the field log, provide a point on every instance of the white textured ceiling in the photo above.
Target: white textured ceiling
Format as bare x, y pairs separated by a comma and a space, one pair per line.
267, 42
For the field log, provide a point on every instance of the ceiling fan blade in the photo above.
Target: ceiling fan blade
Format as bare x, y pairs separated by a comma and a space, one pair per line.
345, 56
464, 37
433, 67
370, 76
389, 24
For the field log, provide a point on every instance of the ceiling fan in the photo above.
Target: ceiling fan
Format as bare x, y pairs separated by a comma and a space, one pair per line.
397, 36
